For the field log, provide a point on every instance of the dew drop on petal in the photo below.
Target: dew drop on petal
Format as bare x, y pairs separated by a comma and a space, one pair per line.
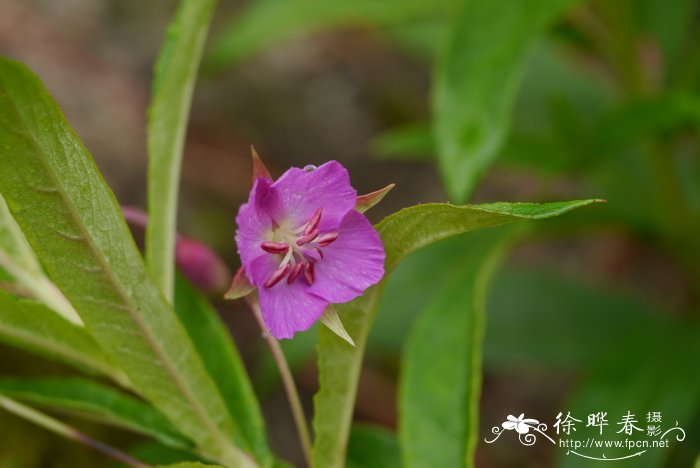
309, 168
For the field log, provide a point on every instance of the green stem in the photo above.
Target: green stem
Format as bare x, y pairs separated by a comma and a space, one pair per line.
287, 379
57, 427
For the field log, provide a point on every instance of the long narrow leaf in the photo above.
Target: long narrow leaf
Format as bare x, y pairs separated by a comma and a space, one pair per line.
403, 232
173, 86
18, 259
221, 358
478, 74
441, 366
74, 224
32, 326
88, 399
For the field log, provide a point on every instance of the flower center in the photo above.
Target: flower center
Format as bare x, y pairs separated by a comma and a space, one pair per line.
300, 249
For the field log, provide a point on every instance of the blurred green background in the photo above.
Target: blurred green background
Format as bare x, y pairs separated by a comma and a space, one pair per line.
596, 311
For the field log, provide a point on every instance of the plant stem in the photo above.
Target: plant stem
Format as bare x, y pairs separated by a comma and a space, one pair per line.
53, 425
287, 379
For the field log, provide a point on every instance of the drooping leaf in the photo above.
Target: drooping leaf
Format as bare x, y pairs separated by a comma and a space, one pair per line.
89, 399
221, 358
440, 381
402, 233
173, 86
32, 326
74, 224
269, 22
477, 77
18, 259
372, 447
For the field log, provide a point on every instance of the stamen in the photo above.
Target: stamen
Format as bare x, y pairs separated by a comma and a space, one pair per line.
275, 247
313, 223
305, 239
296, 271
277, 276
327, 239
310, 273
320, 252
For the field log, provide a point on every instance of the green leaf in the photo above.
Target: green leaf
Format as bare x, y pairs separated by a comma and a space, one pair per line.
402, 233
18, 259
88, 399
32, 326
372, 447
213, 342
75, 226
267, 23
528, 302
410, 142
173, 86
477, 77
649, 369
440, 381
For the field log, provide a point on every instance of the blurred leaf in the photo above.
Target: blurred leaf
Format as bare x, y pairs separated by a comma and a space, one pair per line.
648, 369
556, 313
441, 366
221, 359
32, 326
266, 23
372, 447
670, 27
173, 85
89, 399
75, 226
477, 77
18, 259
402, 232
410, 142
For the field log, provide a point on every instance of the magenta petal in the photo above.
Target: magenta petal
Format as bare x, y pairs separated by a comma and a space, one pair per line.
254, 224
298, 193
288, 308
351, 264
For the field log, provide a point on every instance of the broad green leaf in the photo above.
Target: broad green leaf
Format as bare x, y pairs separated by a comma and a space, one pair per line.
89, 399
402, 232
477, 76
267, 23
224, 364
173, 86
74, 224
372, 447
440, 381
32, 326
18, 259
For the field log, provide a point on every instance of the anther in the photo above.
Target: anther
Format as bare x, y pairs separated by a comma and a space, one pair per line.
327, 239
310, 273
306, 238
312, 225
275, 247
296, 271
277, 276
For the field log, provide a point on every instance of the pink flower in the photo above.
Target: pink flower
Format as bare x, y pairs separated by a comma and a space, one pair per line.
303, 244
